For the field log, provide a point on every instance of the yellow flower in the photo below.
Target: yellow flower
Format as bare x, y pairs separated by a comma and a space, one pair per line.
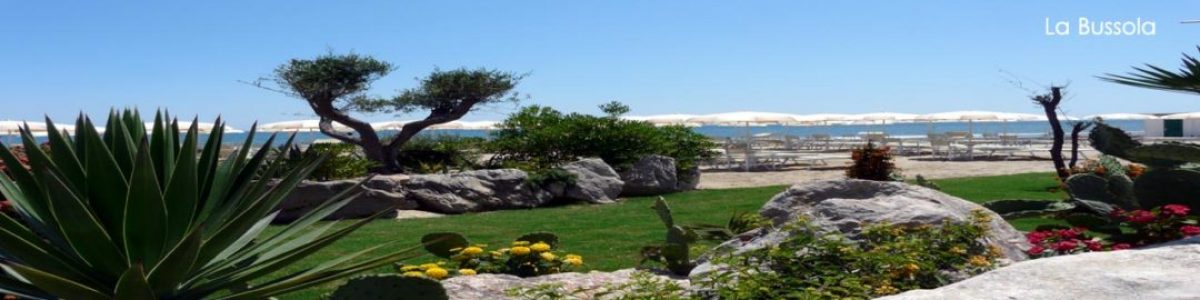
886, 289
911, 268
466, 272
958, 250
540, 247
428, 266
519, 250
574, 256
496, 254
574, 261
979, 261
437, 273
414, 274
995, 252
472, 250
547, 256
409, 268
520, 243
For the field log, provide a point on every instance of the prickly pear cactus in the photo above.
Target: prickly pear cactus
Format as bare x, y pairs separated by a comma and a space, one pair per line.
1165, 155
1161, 187
675, 251
1112, 141
389, 287
1019, 208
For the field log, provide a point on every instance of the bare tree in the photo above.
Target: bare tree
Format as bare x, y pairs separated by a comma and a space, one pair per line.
1049, 103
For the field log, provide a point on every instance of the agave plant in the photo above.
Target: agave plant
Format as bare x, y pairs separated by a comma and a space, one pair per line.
136, 215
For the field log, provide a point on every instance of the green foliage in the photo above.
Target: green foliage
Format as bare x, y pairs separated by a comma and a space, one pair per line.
872, 163
132, 214
342, 161
1167, 180
890, 259
532, 254
388, 287
614, 109
331, 77
537, 137
1187, 79
453, 90
440, 154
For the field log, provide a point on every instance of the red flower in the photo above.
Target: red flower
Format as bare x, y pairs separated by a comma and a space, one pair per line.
1093, 245
1065, 246
1070, 233
1175, 210
1121, 246
1035, 250
1117, 213
1037, 237
1190, 230
1140, 217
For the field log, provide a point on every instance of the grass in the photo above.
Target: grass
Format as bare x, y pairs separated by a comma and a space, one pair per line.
609, 236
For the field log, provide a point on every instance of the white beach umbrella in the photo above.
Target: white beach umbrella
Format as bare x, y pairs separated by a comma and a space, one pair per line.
1184, 116
12, 127
299, 126
743, 118
1121, 116
389, 125
665, 120
448, 126
480, 125
201, 127
884, 117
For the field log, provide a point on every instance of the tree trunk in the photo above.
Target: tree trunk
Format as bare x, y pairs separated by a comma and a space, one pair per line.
1049, 104
1075, 130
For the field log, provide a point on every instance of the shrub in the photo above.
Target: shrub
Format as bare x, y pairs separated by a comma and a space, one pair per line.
539, 137
872, 163
342, 160
530, 255
142, 215
440, 153
890, 259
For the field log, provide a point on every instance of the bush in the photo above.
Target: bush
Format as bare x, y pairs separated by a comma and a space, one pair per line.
342, 160
538, 137
890, 259
872, 163
440, 154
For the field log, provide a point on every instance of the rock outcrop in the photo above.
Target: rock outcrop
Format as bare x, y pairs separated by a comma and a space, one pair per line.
473, 191
595, 181
579, 285
380, 193
651, 175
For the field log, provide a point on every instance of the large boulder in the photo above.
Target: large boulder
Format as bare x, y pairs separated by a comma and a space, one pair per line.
380, 193
650, 175
583, 285
844, 206
688, 179
472, 191
1164, 272
595, 181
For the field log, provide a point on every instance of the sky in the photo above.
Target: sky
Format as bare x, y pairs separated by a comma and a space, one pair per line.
60, 59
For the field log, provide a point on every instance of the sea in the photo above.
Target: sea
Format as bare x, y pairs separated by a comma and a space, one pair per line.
1028, 129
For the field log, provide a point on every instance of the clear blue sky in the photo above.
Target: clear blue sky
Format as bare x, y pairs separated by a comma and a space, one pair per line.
657, 56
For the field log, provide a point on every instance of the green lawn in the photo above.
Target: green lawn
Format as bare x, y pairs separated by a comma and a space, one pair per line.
609, 236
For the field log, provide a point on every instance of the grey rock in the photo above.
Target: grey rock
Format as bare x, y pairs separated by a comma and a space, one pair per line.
579, 285
1165, 271
473, 191
595, 181
650, 175
844, 206
380, 193
416, 214
688, 180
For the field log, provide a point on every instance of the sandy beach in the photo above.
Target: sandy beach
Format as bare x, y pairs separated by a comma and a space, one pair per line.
910, 167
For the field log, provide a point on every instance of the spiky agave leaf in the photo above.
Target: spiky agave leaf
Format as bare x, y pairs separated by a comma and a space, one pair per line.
158, 214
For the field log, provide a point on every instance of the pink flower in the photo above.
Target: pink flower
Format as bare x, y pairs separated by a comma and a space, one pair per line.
1175, 210
1140, 217
1065, 246
1190, 230
1035, 250
1121, 246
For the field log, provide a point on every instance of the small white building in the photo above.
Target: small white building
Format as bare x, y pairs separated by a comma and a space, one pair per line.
1176, 125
